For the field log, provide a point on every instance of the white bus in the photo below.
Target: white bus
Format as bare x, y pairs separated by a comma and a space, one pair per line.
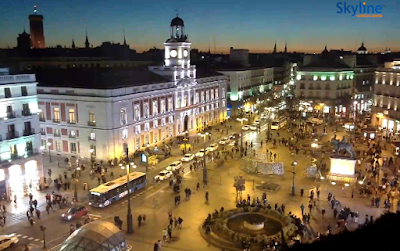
110, 192
278, 123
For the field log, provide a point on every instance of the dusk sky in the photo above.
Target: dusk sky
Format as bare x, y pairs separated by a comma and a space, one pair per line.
306, 25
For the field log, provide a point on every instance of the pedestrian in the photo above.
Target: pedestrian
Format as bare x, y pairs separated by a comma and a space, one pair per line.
310, 206
323, 212
302, 209
301, 192
4, 219
318, 192
176, 221
180, 220
26, 248
159, 245
276, 206
155, 247
38, 213
144, 219
140, 220
206, 196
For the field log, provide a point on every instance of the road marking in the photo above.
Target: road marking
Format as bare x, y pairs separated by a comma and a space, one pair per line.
42, 241
31, 238
140, 193
37, 239
95, 215
24, 237
150, 187
19, 235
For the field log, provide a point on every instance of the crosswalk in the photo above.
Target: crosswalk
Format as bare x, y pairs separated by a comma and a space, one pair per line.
21, 236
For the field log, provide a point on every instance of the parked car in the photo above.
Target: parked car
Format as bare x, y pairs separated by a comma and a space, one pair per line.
187, 157
200, 153
235, 136
256, 122
7, 241
163, 175
176, 165
224, 141
212, 147
75, 213
254, 127
246, 128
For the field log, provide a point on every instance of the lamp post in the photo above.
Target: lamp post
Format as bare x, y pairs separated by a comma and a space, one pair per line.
129, 213
204, 135
241, 134
43, 229
48, 147
76, 182
355, 118
294, 164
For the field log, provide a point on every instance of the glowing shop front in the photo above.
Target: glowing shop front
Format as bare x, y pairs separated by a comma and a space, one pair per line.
23, 179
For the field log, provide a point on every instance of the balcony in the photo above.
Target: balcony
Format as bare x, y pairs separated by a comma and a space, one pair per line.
72, 136
10, 115
43, 132
91, 123
26, 112
91, 139
70, 121
12, 135
14, 156
56, 120
28, 132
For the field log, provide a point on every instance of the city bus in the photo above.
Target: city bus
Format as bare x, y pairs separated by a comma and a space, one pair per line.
112, 191
278, 123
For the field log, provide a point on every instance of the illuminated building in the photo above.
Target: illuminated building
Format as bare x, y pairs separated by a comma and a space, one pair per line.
20, 158
386, 104
37, 32
109, 110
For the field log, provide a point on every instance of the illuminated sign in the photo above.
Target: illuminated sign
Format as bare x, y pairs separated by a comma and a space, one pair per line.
144, 158
360, 10
343, 166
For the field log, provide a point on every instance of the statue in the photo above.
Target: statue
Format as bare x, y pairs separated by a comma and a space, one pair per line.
343, 145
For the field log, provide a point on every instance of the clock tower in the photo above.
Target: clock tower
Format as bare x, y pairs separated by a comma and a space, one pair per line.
177, 54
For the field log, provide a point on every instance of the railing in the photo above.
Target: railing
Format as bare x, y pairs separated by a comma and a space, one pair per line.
26, 112
56, 120
10, 115
28, 132
91, 123
27, 153
72, 136
12, 135
71, 121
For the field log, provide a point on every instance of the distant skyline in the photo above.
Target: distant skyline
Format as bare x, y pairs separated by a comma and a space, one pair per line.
306, 26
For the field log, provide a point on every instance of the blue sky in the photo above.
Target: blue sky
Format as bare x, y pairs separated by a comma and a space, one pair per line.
306, 25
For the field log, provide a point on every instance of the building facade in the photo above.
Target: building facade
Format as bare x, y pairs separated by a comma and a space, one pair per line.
37, 31
134, 109
20, 157
385, 110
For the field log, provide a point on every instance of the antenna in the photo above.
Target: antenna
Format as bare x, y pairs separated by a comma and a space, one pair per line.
35, 9
215, 43
176, 12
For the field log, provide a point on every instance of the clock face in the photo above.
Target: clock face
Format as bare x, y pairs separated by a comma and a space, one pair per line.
185, 53
173, 53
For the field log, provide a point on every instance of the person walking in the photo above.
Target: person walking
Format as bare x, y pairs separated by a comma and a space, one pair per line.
140, 220
310, 206
301, 192
323, 212
318, 192
180, 220
206, 196
302, 209
144, 219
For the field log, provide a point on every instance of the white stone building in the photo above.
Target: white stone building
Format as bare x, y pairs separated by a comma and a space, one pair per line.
386, 104
20, 157
109, 110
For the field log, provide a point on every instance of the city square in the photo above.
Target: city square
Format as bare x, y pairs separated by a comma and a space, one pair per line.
106, 148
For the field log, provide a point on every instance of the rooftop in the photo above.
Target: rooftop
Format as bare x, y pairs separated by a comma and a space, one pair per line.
97, 78
326, 62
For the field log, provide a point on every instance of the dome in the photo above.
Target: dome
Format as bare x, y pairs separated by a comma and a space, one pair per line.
177, 22
362, 48
99, 235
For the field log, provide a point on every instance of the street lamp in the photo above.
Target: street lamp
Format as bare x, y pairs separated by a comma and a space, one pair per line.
294, 164
76, 182
43, 229
204, 135
129, 213
241, 134
355, 118
48, 146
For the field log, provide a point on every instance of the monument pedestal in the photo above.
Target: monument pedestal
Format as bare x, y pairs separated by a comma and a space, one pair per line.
342, 169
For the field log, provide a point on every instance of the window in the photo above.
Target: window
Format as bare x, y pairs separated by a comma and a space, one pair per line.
207, 96
162, 103
73, 147
41, 116
196, 100
171, 119
202, 97
92, 118
123, 116
25, 110
163, 122
7, 92
185, 101
57, 132
58, 146
56, 114
137, 129
170, 105
136, 112
146, 110
124, 133
223, 103
92, 136
72, 134
24, 91
147, 127
223, 93
155, 108
10, 112
216, 93
71, 116
93, 150
178, 102
155, 123
212, 95
43, 143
